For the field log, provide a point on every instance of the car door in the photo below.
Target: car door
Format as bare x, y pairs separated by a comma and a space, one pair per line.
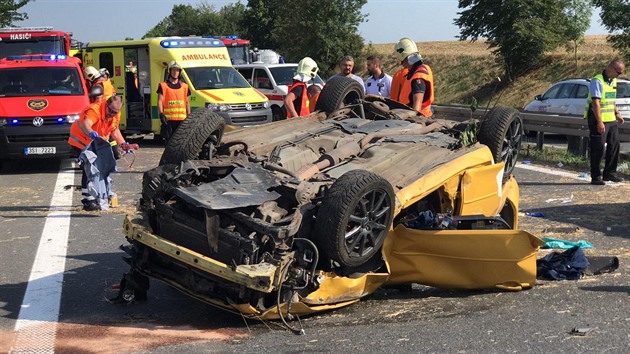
562, 100
623, 98
547, 100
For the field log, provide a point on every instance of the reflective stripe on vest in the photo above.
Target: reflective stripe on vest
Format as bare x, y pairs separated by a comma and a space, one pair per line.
422, 72
606, 102
174, 103
304, 102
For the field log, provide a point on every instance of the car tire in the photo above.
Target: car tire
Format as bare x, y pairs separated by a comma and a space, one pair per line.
359, 201
195, 138
337, 93
502, 131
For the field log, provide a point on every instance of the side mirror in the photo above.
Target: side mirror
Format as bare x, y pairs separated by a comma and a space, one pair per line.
538, 97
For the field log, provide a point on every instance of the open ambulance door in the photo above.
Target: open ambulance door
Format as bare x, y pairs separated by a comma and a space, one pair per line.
137, 92
114, 61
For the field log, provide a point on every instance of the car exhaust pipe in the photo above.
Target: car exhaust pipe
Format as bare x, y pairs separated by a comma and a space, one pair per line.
354, 149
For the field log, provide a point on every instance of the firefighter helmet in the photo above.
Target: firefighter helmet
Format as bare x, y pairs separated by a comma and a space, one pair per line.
405, 47
95, 91
174, 65
104, 71
307, 70
91, 73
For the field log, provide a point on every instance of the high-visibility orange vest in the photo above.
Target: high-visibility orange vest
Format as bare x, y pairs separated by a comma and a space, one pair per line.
422, 72
108, 89
174, 103
304, 104
95, 112
398, 80
312, 102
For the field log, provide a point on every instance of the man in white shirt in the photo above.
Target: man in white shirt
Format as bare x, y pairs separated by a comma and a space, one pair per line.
378, 83
346, 65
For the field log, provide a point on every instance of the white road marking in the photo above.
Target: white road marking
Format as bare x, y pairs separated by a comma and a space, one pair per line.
549, 171
37, 323
574, 175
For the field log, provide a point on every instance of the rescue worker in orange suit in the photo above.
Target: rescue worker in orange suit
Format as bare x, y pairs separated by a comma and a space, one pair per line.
91, 76
108, 87
173, 105
313, 95
99, 119
417, 90
296, 101
398, 80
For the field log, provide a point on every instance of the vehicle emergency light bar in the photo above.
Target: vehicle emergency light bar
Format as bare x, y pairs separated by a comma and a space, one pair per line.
232, 40
26, 29
38, 57
191, 43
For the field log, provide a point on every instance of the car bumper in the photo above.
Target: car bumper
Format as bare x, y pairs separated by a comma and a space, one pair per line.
333, 291
15, 140
245, 118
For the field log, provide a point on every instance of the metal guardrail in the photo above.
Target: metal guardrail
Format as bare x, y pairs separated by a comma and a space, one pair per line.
570, 125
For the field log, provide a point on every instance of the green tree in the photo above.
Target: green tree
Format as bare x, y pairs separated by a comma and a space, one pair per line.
518, 31
202, 20
578, 19
614, 16
9, 12
259, 20
324, 30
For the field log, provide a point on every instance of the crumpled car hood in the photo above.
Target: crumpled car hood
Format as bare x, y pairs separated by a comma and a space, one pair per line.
245, 186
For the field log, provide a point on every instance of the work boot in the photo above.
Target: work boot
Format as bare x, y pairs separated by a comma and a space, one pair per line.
597, 181
613, 178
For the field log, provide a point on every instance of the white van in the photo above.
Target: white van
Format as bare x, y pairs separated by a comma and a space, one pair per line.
272, 80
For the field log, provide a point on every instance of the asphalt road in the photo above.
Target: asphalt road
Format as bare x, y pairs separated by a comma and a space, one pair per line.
423, 319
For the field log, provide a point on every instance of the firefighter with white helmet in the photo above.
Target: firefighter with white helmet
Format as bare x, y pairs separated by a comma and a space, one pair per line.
296, 101
414, 88
91, 74
108, 87
173, 105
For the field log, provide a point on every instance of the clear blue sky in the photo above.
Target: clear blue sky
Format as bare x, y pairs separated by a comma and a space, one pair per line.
388, 21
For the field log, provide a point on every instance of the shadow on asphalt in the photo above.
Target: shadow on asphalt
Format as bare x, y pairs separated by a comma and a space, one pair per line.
607, 289
611, 219
87, 288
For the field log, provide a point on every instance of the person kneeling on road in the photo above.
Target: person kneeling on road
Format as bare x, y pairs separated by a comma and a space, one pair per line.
91, 132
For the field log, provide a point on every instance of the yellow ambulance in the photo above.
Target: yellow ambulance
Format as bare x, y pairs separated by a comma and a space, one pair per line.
138, 66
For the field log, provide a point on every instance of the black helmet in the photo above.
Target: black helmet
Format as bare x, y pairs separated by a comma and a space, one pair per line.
95, 91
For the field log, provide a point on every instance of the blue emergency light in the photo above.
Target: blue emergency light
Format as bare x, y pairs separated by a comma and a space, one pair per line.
14, 121
38, 57
61, 120
191, 43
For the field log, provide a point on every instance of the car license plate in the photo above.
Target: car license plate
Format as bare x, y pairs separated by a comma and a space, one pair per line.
40, 150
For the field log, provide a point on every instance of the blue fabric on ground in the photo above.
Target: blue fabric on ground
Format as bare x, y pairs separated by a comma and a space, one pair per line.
563, 244
568, 265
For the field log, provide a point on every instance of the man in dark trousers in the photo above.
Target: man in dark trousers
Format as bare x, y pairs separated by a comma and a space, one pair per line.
603, 123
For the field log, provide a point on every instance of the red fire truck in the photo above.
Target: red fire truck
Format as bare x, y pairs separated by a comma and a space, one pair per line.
34, 40
40, 97
240, 52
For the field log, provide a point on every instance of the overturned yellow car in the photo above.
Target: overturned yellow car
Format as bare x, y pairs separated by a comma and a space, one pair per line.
314, 213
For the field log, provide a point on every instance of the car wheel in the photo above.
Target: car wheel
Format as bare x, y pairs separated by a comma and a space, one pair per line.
502, 131
195, 138
354, 218
337, 93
